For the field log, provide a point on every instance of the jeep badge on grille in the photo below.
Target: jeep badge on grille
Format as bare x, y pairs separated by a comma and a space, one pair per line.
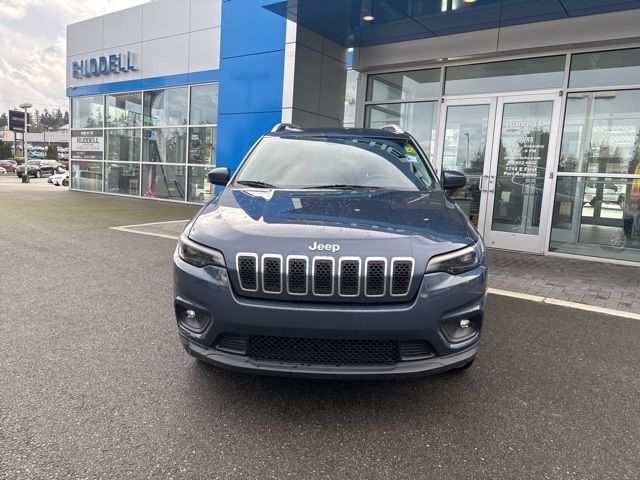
325, 246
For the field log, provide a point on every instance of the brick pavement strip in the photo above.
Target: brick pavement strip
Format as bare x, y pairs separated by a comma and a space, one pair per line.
582, 281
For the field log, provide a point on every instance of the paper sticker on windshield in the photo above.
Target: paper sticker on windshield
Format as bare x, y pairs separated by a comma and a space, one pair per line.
409, 149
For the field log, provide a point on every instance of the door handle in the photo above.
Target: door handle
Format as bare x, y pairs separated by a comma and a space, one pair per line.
492, 183
481, 186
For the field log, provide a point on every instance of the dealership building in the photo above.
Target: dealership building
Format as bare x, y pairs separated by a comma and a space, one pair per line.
537, 102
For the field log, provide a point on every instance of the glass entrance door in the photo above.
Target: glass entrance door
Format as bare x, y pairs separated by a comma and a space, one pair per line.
518, 200
502, 145
466, 136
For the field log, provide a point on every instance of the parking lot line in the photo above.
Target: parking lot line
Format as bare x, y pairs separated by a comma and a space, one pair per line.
138, 228
564, 303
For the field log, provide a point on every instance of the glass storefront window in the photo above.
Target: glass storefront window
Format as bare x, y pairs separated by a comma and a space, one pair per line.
124, 110
204, 104
163, 181
506, 76
123, 145
351, 90
404, 85
87, 112
165, 145
86, 175
599, 217
601, 132
603, 69
198, 186
418, 118
166, 107
122, 178
202, 145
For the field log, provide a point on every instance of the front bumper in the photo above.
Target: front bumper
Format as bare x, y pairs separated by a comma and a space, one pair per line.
442, 298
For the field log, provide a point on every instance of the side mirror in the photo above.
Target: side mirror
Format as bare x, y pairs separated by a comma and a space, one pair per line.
219, 176
452, 180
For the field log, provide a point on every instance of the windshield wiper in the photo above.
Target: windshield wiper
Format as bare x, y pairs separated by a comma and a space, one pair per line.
255, 183
343, 187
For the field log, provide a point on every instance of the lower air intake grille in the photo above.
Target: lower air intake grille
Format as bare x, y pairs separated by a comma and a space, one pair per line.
229, 342
324, 351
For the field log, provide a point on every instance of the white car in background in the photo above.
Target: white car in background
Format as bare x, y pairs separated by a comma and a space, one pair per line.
60, 179
3, 170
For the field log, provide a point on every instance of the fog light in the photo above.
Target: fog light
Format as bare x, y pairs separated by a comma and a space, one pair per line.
460, 330
193, 320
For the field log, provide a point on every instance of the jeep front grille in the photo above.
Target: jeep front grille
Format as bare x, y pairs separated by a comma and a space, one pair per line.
325, 276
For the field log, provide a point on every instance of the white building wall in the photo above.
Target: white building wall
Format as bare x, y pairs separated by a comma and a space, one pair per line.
589, 30
167, 37
315, 76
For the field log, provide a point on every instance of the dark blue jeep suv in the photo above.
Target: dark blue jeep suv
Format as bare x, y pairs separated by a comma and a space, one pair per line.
332, 253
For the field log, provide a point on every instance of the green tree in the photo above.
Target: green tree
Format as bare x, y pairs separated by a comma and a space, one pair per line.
3, 120
52, 152
5, 150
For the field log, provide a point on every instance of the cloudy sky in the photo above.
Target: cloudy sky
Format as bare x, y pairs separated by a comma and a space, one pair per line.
32, 47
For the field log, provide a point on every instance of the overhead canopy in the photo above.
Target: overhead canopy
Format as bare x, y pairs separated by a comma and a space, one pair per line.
360, 23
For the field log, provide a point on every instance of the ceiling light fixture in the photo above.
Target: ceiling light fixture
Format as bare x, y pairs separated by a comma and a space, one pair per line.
469, 1
368, 18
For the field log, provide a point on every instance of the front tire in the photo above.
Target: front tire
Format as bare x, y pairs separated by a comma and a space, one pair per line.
65, 183
38, 174
466, 366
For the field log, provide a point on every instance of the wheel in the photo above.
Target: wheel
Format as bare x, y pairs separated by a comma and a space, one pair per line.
38, 174
65, 183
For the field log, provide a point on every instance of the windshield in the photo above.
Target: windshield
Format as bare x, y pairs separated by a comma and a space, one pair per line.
33, 162
321, 162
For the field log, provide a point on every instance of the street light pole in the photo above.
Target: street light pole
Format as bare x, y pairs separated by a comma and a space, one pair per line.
25, 106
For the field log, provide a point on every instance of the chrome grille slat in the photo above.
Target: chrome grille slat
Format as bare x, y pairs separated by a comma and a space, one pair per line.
323, 273
401, 275
375, 277
325, 276
349, 277
297, 273
247, 264
272, 273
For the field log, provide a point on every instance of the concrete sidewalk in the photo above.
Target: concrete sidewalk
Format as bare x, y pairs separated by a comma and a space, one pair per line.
593, 283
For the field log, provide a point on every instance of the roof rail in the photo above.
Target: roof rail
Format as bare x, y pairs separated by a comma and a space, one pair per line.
285, 126
392, 127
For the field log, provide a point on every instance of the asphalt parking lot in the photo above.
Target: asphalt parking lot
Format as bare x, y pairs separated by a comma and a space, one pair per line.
95, 384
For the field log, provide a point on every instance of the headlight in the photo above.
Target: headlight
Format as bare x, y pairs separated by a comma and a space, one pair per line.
199, 255
459, 261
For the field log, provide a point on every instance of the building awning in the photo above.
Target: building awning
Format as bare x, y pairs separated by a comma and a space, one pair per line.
361, 23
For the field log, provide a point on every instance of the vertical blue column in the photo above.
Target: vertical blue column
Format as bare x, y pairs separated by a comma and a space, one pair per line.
251, 76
